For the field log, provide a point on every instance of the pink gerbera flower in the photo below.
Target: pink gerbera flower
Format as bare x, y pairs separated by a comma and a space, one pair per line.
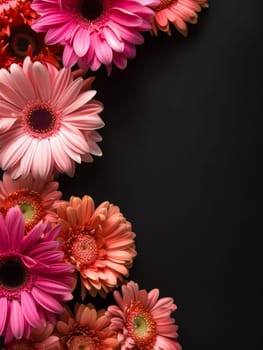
34, 283
37, 199
94, 32
178, 12
142, 321
47, 123
87, 329
99, 243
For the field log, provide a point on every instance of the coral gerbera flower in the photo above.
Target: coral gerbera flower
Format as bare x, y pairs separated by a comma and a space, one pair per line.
37, 199
94, 32
99, 243
87, 329
40, 339
142, 321
46, 122
34, 283
178, 12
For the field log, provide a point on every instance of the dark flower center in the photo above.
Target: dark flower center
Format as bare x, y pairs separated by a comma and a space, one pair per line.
21, 38
13, 272
41, 120
91, 9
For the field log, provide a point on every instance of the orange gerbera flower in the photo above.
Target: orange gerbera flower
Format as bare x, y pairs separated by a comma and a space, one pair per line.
177, 12
98, 242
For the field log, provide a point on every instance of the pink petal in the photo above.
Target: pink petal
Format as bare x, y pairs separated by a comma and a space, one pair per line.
3, 314
42, 162
16, 226
4, 235
16, 319
41, 79
46, 301
81, 100
81, 42
69, 57
113, 40
29, 310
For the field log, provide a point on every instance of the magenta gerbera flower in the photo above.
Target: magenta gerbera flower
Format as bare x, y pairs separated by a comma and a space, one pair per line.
47, 123
94, 32
142, 320
34, 283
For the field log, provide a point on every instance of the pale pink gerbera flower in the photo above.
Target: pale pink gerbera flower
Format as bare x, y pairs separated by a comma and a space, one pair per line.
94, 32
37, 199
178, 12
99, 243
142, 321
46, 122
40, 339
87, 329
34, 283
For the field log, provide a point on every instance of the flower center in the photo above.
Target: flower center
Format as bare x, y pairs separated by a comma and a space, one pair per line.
21, 38
91, 9
13, 273
164, 4
27, 210
30, 205
141, 326
84, 249
82, 342
41, 120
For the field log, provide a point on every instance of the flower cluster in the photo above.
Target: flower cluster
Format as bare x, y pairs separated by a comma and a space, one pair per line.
53, 250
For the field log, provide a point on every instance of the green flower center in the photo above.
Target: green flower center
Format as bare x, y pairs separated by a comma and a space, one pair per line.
141, 326
27, 210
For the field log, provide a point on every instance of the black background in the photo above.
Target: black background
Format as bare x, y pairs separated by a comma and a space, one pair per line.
179, 159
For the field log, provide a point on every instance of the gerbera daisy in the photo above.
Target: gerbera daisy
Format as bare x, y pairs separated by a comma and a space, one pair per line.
34, 283
99, 243
22, 42
46, 122
37, 199
178, 12
40, 339
15, 11
94, 32
87, 329
142, 321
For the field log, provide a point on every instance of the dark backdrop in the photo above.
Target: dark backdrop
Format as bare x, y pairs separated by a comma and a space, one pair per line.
179, 146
